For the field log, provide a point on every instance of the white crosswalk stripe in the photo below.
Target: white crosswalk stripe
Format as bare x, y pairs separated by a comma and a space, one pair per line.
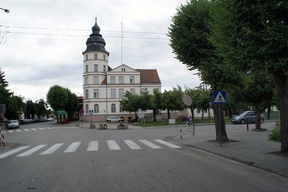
73, 147
13, 151
33, 150
36, 129
132, 144
113, 145
52, 149
151, 145
167, 144
92, 146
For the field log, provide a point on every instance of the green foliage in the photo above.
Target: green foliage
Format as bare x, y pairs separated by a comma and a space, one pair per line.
57, 97
3, 81
275, 133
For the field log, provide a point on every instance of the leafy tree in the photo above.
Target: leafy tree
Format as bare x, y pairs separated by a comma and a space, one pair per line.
172, 100
131, 103
40, 107
57, 98
189, 33
156, 101
30, 109
250, 36
3, 81
72, 104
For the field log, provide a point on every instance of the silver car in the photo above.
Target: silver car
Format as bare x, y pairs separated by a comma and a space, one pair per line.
12, 124
114, 119
249, 116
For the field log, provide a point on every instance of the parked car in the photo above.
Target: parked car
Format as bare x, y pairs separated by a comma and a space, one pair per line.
246, 115
12, 124
114, 119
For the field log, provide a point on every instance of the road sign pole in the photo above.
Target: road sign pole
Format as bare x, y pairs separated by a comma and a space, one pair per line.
219, 124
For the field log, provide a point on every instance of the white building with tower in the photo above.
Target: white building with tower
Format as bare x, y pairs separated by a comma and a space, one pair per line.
104, 86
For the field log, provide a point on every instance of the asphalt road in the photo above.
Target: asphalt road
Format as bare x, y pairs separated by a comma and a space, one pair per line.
46, 157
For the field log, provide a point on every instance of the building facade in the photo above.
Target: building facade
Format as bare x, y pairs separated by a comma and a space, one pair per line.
104, 87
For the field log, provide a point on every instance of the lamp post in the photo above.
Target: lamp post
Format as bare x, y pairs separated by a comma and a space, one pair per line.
6, 10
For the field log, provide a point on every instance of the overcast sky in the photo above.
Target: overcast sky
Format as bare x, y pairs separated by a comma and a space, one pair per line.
42, 42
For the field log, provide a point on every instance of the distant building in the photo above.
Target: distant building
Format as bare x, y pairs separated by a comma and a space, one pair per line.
104, 87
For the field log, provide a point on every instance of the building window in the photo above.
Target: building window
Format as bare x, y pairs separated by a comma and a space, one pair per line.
121, 108
104, 68
86, 94
121, 93
86, 108
95, 67
143, 90
113, 93
96, 80
113, 108
86, 57
86, 80
96, 93
95, 56
132, 79
123, 69
112, 79
198, 111
96, 108
121, 81
104, 57
132, 91
86, 68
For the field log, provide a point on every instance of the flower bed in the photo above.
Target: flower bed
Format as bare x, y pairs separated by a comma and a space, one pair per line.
122, 126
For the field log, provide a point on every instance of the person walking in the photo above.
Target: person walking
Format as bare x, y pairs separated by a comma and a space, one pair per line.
190, 120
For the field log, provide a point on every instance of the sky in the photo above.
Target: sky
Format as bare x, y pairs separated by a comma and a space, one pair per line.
42, 42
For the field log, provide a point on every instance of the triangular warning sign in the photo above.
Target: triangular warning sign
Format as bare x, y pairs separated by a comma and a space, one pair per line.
219, 98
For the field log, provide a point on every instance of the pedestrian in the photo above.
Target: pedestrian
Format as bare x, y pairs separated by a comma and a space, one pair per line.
190, 122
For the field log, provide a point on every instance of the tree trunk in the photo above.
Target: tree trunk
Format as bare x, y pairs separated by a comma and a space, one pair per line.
282, 87
257, 120
223, 136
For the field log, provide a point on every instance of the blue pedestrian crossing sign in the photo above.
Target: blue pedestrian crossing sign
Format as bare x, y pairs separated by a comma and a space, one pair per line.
219, 97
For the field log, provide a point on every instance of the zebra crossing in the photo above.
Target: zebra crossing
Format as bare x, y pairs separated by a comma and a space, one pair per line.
93, 146
35, 129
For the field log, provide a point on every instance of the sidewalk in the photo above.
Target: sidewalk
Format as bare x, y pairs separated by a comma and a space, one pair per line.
249, 147
110, 126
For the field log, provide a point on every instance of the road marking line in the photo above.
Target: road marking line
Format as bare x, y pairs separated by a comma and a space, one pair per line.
93, 146
52, 149
19, 130
30, 151
41, 128
13, 151
149, 144
26, 129
167, 144
10, 131
73, 147
113, 145
34, 129
48, 128
132, 145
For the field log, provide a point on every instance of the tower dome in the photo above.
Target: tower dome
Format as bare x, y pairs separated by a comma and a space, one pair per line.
95, 42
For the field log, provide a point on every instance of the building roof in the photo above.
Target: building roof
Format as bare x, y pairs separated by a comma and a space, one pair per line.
149, 76
95, 42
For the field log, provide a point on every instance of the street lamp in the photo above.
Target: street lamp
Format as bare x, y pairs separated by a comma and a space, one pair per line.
6, 10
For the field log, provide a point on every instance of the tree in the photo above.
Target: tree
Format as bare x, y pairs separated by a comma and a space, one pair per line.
72, 105
157, 102
250, 36
30, 109
57, 98
172, 100
189, 34
131, 103
40, 107
3, 82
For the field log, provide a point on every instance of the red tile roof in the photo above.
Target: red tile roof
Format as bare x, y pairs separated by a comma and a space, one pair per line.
149, 76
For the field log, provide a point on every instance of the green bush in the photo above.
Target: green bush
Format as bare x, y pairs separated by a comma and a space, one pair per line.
275, 134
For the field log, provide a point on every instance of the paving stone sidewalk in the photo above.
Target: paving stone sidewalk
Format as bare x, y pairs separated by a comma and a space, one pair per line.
249, 147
